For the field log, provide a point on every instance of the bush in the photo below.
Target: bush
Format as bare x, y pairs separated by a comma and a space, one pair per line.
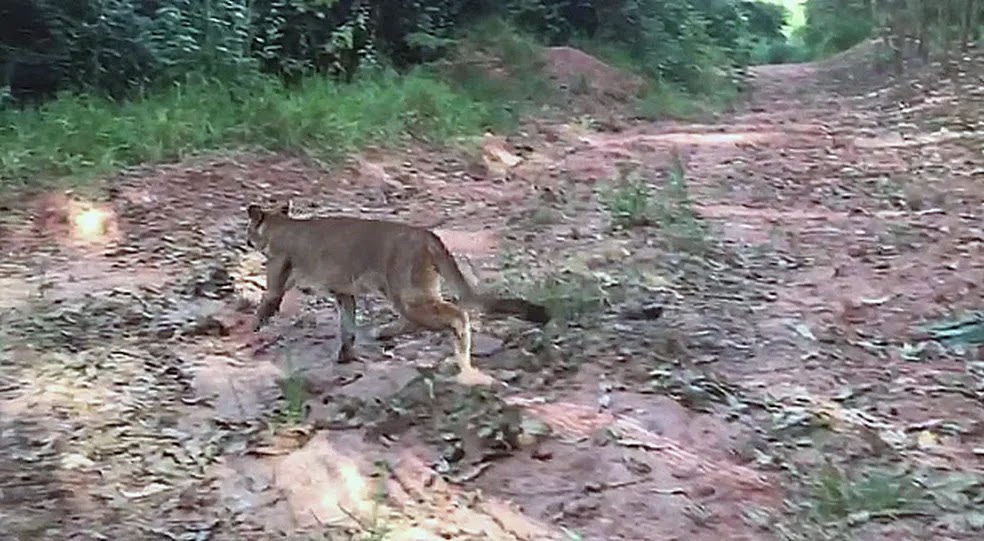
835, 25
779, 51
78, 134
122, 47
153, 80
922, 27
495, 44
84, 133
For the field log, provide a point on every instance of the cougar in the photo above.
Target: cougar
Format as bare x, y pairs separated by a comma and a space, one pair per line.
346, 256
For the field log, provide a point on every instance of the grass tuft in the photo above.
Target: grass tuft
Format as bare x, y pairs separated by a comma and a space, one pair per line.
292, 389
839, 497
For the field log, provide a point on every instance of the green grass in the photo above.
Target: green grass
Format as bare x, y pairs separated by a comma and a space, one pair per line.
668, 102
77, 135
292, 388
568, 295
839, 497
632, 202
495, 77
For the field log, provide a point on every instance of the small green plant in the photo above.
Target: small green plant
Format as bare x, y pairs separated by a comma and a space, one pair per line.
377, 529
682, 226
835, 496
292, 388
632, 203
569, 296
675, 208
629, 201
546, 216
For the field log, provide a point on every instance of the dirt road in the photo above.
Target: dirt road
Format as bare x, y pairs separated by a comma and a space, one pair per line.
795, 254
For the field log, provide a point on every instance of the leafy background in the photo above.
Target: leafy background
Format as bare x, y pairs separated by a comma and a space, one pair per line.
122, 47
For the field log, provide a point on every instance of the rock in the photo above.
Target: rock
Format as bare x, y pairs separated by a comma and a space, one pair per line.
381, 383
484, 345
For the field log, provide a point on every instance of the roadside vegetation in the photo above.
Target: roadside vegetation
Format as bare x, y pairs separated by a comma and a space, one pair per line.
94, 86
816, 29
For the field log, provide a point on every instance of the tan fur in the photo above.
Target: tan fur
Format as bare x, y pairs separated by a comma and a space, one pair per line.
347, 257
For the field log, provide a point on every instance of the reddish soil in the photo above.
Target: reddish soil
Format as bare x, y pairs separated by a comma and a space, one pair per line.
135, 402
584, 73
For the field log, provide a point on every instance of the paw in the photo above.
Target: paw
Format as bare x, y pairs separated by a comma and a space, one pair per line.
346, 354
258, 323
475, 377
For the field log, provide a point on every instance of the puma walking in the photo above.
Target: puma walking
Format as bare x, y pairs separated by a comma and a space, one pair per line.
346, 256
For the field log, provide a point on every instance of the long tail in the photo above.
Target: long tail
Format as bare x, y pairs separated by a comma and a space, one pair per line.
449, 269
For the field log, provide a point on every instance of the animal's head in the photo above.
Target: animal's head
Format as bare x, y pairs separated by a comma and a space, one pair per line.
258, 220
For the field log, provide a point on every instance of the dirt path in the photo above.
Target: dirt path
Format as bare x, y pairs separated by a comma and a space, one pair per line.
794, 255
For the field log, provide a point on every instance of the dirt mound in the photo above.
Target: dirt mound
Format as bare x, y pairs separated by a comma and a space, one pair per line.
866, 51
582, 73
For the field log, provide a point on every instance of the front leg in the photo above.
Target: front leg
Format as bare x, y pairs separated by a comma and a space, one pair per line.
346, 327
278, 274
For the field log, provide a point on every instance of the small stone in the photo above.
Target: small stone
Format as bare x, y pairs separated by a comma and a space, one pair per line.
484, 345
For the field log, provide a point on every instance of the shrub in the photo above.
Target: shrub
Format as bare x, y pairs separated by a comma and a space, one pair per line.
123, 47
778, 52
835, 25
77, 133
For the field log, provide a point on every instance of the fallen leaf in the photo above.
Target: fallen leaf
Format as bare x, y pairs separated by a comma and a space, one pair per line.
803, 330
927, 439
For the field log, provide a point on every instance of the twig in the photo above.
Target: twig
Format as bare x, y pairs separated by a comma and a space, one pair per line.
405, 485
602, 487
352, 516
640, 445
899, 513
669, 491
472, 474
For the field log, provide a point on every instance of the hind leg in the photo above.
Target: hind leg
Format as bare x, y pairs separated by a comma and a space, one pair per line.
346, 327
438, 315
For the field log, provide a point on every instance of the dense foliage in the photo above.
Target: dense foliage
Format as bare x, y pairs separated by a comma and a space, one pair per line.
910, 26
155, 80
119, 47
